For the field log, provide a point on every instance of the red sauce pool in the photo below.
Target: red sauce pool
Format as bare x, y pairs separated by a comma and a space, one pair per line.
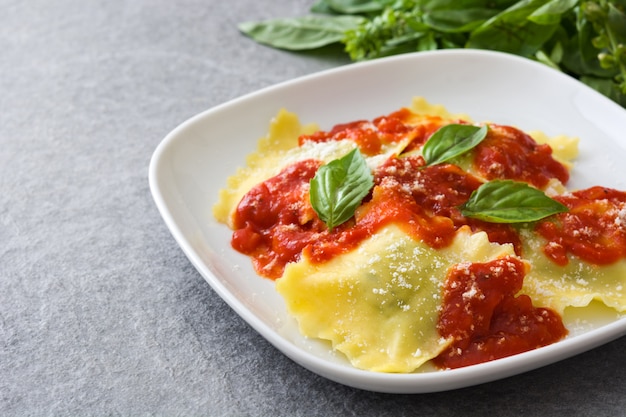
594, 228
486, 319
275, 223
510, 153
371, 135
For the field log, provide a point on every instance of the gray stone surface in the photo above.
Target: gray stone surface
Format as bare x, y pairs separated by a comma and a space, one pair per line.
100, 312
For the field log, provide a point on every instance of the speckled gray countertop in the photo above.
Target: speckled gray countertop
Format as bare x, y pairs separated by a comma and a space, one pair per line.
100, 311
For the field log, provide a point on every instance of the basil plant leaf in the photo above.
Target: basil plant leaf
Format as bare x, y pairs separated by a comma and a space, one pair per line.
507, 201
452, 140
357, 6
301, 33
458, 20
552, 11
512, 31
339, 187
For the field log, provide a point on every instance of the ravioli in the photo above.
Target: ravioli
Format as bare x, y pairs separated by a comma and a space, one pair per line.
379, 304
262, 164
279, 149
575, 285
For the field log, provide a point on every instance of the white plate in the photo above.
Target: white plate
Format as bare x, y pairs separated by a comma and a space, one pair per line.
192, 164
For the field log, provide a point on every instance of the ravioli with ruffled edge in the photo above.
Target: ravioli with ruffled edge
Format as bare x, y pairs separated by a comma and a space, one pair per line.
379, 304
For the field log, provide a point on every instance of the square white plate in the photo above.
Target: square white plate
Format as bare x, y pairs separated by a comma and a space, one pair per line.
193, 161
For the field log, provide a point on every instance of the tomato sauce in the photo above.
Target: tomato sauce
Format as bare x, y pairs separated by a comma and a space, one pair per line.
370, 136
594, 228
440, 190
485, 318
509, 153
275, 223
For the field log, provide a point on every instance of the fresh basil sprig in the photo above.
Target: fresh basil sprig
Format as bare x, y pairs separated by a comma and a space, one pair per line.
507, 201
582, 38
452, 140
339, 187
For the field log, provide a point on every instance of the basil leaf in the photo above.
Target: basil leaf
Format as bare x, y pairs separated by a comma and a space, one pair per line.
339, 187
322, 7
458, 20
357, 6
452, 140
301, 33
507, 201
511, 31
551, 12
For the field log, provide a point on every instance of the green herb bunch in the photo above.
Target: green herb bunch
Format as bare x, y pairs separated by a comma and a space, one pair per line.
585, 39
